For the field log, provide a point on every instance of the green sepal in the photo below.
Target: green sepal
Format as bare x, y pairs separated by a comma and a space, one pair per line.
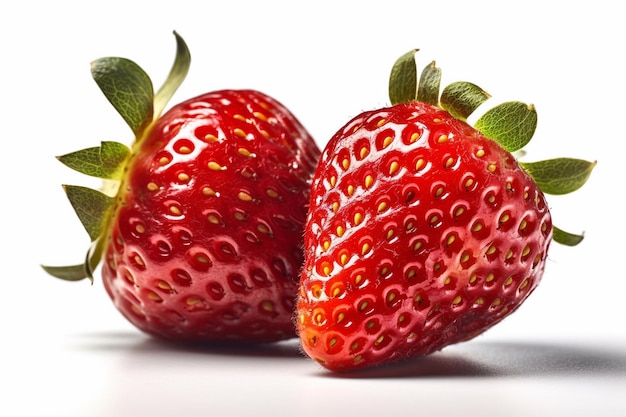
68, 273
105, 161
511, 124
177, 75
403, 79
560, 175
566, 238
91, 207
128, 88
461, 98
429, 84
81, 271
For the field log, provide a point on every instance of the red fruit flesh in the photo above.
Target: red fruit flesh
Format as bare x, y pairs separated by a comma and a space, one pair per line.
206, 239
421, 233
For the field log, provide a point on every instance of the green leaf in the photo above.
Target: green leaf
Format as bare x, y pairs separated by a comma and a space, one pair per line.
91, 207
177, 74
461, 98
565, 238
403, 79
512, 124
560, 175
128, 88
429, 84
105, 161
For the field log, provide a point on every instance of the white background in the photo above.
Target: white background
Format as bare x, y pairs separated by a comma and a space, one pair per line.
65, 351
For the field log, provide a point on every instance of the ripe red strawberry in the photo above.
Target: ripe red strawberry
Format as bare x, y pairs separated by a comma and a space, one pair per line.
201, 235
422, 231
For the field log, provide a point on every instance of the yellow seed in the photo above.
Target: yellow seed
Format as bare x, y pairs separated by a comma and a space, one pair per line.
438, 192
387, 141
239, 132
523, 225
239, 117
215, 166
363, 305
442, 139
508, 281
358, 218
391, 296
365, 248
358, 279
369, 180
465, 257
139, 260
345, 164
434, 219
459, 211
382, 206
390, 233
381, 122
184, 150
267, 306
260, 116
420, 164
214, 219
326, 270
343, 259
526, 251
164, 285
164, 160
469, 182
335, 206
491, 167
504, 218
414, 137
265, 133
379, 340
449, 162
450, 240
490, 277
175, 210
208, 191
333, 181
492, 249
192, 301
263, 229
457, 300
350, 190
363, 152
478, 226
524, 284
480, 153
357, 358
393, 167
244, 196
211, 138
473, 279
245, 152
332, 342
496, 302
326, 245
182, 177
340, 317
384, 271
508, 255
152, 186
479, 301
340, 231
417, 245
271, 193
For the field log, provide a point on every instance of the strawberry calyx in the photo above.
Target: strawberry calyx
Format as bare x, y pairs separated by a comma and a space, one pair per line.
130, 90
511, 124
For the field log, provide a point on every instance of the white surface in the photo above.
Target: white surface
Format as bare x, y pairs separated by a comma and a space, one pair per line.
66, 352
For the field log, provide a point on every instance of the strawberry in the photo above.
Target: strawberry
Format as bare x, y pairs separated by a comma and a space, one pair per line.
423, 230
200, 223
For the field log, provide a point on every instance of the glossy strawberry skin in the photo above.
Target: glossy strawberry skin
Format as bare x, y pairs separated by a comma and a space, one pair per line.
421, 233
206, 239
